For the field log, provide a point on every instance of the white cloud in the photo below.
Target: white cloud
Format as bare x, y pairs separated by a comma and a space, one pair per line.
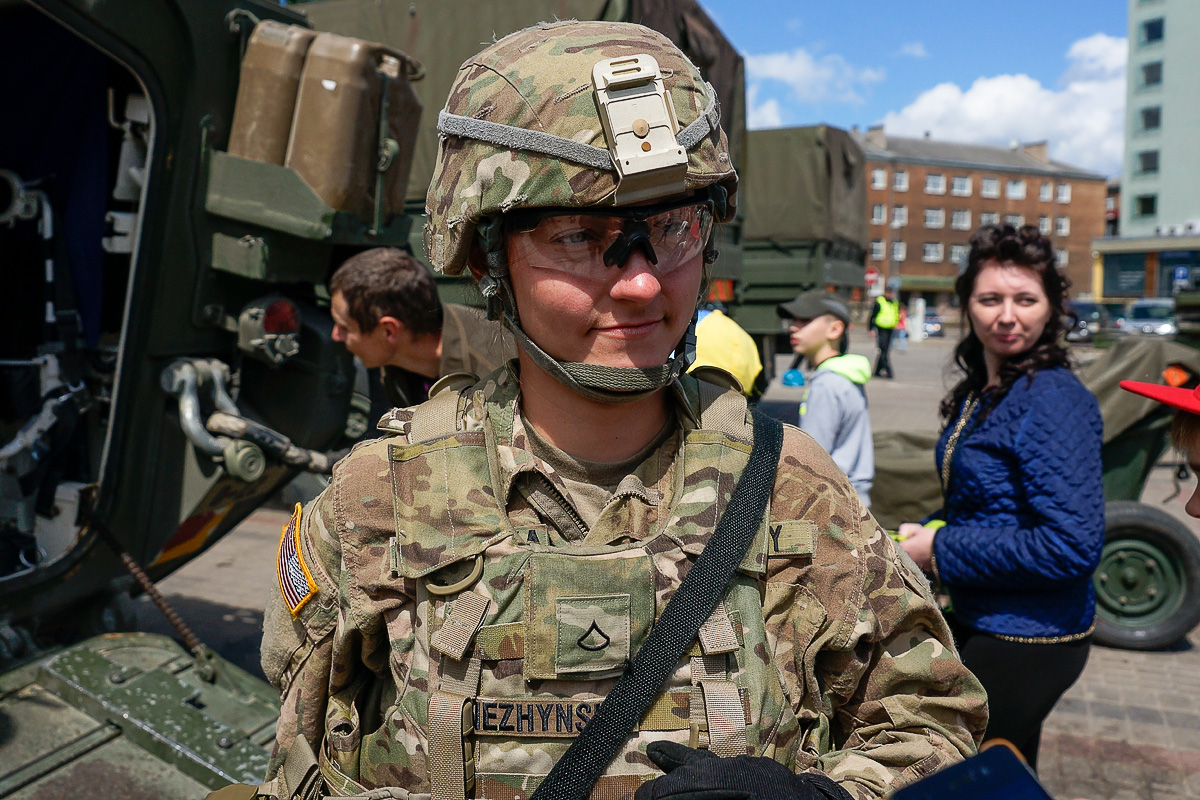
812, 79
766, 114
914, 49
1083, 119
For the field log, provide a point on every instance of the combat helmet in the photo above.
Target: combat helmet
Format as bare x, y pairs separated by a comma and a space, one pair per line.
572, 115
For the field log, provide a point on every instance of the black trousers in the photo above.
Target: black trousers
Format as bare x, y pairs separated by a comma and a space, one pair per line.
1023, 681
883, 340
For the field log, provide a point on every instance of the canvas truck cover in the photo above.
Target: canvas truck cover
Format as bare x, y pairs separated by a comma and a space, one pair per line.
441, 35
804, 184
906, 483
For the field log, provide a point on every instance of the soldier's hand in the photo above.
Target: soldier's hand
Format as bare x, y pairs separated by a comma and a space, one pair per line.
700, 775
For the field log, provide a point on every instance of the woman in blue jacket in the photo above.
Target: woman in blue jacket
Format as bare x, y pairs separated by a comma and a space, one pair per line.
1022, 526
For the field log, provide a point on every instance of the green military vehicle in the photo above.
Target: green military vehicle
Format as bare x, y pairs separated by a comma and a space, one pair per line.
804, 203
181, 178
177, 178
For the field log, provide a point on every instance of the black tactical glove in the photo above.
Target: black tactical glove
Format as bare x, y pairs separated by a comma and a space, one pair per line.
700, 775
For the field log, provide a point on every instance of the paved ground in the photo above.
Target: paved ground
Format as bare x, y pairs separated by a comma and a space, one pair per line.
1130, 728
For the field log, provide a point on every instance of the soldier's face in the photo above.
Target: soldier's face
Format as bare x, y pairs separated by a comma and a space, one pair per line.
632, 316
372, 348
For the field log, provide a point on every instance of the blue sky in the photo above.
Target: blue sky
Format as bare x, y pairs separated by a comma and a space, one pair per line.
964, 71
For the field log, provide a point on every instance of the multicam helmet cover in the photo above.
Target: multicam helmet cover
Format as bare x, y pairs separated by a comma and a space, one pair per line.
539, 80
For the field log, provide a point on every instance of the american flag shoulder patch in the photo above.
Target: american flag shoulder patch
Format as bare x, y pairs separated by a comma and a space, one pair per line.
295, 580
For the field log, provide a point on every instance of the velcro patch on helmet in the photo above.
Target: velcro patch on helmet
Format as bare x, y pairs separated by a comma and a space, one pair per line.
295, 581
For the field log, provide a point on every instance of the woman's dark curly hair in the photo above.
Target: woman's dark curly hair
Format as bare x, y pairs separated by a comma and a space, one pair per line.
1026, 248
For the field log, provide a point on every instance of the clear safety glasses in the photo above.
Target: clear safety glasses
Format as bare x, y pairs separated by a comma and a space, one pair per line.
585, 242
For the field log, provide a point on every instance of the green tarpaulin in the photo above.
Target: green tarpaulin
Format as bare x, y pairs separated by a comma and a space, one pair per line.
441, 34
803, 184
907, 486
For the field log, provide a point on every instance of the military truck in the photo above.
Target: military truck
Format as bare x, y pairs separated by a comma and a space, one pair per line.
441, 37
177, 178
804, 202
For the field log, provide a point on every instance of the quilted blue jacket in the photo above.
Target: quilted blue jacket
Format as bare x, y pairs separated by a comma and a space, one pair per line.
1024, 511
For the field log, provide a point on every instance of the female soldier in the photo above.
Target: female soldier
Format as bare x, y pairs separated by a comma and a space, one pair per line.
459, 602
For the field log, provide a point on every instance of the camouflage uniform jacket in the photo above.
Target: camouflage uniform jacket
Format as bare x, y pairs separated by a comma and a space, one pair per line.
431, 638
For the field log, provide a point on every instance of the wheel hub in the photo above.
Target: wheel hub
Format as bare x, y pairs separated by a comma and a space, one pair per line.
1136, 579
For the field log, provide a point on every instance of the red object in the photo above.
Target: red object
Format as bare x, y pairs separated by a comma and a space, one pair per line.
281, 317
870, 276
1176, 397
721, 291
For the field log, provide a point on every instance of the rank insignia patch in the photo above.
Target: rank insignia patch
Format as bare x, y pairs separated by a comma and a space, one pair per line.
295, 580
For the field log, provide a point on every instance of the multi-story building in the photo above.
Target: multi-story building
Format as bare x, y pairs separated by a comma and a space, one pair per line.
925, 197
1158, 248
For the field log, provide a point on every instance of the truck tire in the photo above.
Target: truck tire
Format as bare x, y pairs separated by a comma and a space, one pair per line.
1148, 581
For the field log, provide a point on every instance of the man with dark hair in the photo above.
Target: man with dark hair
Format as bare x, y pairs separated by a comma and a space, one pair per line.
386, 311
834, 408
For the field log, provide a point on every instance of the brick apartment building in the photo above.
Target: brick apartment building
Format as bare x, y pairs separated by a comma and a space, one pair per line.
925, 197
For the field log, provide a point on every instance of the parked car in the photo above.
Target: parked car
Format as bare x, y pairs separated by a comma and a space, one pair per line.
934, 325
1085, 320
1152, 315
1117, 309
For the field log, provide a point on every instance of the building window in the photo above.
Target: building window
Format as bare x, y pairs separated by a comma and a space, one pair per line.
935, 218
959, 253
935, 184
900, 216
989, 218
961, 220
1151, 118
1064, 193
1046, 191
933, 252
1062, 226
1110, 203
878, 214
879, 179
1044, 225
1151, 31
899, 251
1016, 190
877, 250
900, 181
960, 186
1145, 205
1063, 258
989, 187
1152, 73
1147, 162
1016, 220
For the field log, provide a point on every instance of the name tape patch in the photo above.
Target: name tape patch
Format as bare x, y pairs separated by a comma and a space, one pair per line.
295, 581
542, 718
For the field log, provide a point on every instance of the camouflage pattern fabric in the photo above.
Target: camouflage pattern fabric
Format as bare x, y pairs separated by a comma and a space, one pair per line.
843, 663
548, 89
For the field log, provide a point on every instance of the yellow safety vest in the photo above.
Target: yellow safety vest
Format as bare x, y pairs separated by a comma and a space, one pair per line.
888, 315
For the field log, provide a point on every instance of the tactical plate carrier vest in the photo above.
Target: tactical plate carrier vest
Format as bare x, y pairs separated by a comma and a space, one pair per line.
517, 642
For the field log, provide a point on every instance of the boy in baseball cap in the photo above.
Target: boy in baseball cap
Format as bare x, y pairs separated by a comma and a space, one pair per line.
834, 408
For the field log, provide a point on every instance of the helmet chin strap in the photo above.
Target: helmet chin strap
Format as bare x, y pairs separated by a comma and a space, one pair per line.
600, 383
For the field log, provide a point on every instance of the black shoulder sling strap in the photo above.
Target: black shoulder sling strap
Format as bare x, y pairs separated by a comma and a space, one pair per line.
599, 742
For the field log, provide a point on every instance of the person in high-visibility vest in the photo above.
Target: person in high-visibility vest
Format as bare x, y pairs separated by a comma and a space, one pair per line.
884, 319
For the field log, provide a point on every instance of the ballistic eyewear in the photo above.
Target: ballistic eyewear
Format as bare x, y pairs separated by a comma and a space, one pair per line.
586, 241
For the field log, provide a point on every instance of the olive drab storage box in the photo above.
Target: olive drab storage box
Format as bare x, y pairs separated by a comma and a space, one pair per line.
266, 98
336, 128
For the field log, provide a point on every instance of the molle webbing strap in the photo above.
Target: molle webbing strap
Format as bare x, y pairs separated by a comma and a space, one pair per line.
436, 417
717, 634
726, 718
450, 768
515, 138
590, 754
456, 633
